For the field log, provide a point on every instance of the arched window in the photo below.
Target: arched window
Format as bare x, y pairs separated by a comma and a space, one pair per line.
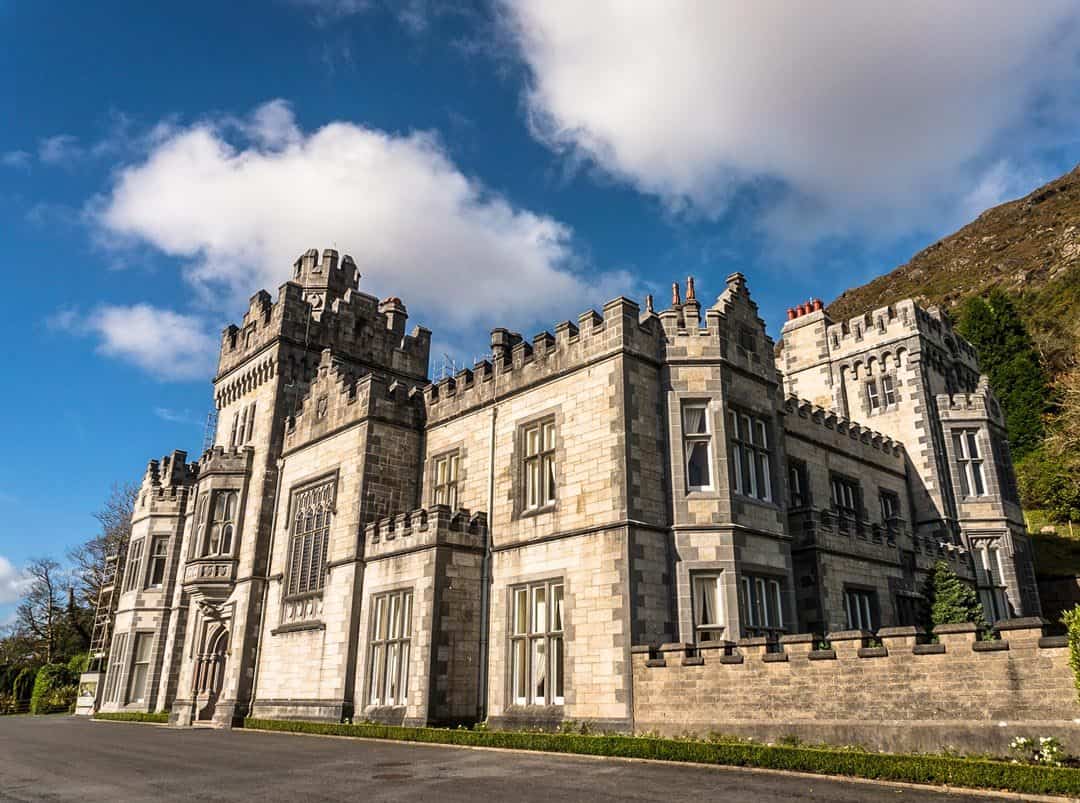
219, 539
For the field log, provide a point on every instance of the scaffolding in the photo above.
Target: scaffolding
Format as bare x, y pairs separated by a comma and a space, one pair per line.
106, 608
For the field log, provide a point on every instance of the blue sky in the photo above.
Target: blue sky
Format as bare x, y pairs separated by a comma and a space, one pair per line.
509, 164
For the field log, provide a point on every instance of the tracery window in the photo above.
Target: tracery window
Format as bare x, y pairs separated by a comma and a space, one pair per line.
312, 508
219, 537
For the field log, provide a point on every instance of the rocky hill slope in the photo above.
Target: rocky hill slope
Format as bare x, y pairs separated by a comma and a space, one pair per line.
1029, 247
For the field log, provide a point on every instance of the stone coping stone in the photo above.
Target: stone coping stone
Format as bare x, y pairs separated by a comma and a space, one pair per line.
822, 655
1054, 641
654, 663
928, 649
775, 657
1021, 623
731, 659
675, 646
641, 649
958, 627
797, 638
902, 630
873, 652
753, 641
698, 661
715, 645
990, 646
849, 635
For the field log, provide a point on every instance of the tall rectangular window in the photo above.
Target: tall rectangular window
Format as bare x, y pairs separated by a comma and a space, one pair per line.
859, 606
761, 603
750, 452
536, 644
116, 667
140, 667
539, 464
312, 508
890, 506
219, 536
445, 491
159, 554
872, 394
707, 606
391, 635
969, 462
133, 571
798, 483
697, 446
845, 496
888, 389
990, 579
250, 423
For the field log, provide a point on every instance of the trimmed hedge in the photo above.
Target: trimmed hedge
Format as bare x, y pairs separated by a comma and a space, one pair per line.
926, 769
135, 716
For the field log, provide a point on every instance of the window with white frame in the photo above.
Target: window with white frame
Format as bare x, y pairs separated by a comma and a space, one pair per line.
536, 644
159, 554
859, 605
116, 667
888, 389
750, 455
312, 508
845, 496
140, 667
969, 461
391, 634
761, 603
539, 464
872, 394
697, 445
445, 484
990, 579
219, 536
134, 565
707, 607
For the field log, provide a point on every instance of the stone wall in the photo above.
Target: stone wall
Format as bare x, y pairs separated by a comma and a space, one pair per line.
961, 693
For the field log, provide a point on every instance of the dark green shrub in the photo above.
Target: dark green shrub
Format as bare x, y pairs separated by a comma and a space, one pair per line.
55, 689
23, 686
134, 716
955, 771
950, 599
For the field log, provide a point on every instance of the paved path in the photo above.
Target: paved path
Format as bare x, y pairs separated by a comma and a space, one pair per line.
65, 758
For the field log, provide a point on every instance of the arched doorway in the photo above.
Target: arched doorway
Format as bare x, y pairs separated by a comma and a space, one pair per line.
210, 674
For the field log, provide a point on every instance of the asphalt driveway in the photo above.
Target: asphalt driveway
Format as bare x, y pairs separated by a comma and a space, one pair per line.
67, 758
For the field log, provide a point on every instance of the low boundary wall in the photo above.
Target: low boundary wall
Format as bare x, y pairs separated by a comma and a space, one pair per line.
899, 695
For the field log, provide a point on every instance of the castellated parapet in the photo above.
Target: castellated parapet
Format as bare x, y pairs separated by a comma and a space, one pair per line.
322, 307
436, 525
977, 405
166, 484
810, 419
338, 397
219, 460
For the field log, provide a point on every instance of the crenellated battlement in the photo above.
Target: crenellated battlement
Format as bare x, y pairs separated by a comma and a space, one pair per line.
322, 307
339, 395
517, 363
166, 483
221, 460
436, 525
980, 404
801, 410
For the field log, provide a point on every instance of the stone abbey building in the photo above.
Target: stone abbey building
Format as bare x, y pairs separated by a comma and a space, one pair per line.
361, 542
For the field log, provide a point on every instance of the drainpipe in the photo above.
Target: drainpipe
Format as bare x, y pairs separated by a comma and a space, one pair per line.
485, 572
280, 462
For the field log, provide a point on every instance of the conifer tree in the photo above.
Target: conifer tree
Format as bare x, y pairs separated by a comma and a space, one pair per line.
951, 600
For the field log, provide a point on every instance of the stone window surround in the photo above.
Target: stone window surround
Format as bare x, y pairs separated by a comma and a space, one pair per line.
333, 478
133, 575
755, 571
709, 437
156, 538
462, 475
517, 463
203, 512
137, 636
558, 576
369, 660
989, 478
874, 599
770, 450
547, 580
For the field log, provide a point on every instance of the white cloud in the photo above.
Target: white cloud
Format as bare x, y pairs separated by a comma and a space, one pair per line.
239, 212
17, 159
166, 344
12, 582
853, 109
174, 416
62, 149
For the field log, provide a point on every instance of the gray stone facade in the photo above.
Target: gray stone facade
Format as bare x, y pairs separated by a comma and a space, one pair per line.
363, 543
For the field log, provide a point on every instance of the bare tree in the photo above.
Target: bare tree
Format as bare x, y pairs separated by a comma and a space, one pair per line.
41, 615
88, 558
